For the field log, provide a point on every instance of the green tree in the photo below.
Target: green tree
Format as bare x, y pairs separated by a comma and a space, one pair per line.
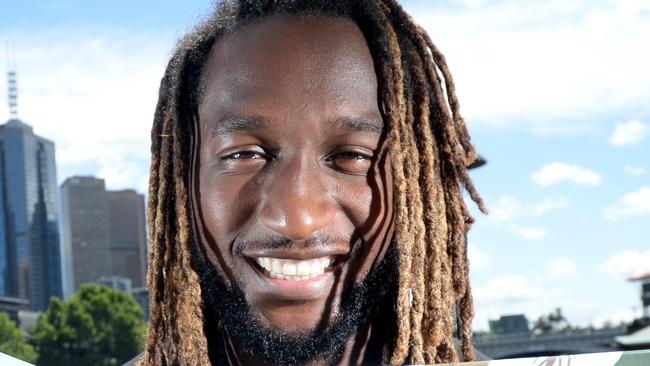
12, 341
552, 323
97, 326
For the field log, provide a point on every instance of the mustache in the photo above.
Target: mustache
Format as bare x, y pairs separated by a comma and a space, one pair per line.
276, 241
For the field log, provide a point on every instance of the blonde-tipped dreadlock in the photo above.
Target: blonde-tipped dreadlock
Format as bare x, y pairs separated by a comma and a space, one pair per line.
429, 148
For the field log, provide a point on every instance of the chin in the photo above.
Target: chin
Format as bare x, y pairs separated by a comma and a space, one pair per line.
298, 317
285, 331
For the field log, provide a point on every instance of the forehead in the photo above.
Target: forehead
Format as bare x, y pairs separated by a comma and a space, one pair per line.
289, 62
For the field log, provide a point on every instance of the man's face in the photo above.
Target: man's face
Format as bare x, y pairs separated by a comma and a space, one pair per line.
292, 185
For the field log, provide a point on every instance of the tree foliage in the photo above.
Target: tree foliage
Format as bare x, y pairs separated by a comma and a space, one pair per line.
12, 341
97, 326
552, 323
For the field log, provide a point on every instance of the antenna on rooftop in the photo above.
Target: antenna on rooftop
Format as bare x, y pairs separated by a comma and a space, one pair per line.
11, 81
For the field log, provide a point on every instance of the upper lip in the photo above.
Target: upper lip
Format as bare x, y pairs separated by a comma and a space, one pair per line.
295, 253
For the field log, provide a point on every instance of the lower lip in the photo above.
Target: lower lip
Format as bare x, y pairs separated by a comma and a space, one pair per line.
296, 283
311, 288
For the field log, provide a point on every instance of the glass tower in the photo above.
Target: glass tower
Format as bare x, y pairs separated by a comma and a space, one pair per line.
30, 263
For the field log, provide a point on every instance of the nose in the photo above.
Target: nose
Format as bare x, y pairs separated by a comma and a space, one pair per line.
296, 203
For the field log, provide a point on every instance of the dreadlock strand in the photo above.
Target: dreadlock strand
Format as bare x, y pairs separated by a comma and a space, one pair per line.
450, 87
458, 255
417, 236
449, 301
466, 313
190, 325
159, 219
152, 204
394, 108
415, 213
458, 244
469, 154
459, 247
431, 196
158, 311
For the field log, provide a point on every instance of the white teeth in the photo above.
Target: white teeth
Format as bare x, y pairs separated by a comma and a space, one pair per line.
294, 270
316, 267
303, 268
289, 269
276, 266
325, 262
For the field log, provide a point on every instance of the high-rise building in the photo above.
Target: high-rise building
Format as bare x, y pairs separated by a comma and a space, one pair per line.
117, 283
103, 233
30, 263
127, 233
509, 324
85, 235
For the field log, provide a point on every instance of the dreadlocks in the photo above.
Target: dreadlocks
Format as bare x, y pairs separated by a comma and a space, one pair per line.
429, 148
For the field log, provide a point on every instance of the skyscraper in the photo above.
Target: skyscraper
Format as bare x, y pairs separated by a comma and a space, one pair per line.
103, 234
30, 266
127, 233
84, 232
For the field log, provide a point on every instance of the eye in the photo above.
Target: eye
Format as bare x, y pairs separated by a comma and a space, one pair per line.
241, 155
243, 160
352, 161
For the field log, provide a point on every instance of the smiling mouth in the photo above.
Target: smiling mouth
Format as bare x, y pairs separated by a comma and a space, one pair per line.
295, 270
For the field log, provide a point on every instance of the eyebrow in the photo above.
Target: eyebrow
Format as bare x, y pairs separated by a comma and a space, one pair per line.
232, 125
359, 124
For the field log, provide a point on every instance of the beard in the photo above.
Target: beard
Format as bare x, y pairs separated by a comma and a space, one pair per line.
226, 307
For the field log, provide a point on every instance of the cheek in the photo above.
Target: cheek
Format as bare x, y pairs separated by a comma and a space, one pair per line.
379, 222
225, 206
375, 205
369, 208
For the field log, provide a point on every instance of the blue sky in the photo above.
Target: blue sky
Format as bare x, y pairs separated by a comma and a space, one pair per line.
555, 93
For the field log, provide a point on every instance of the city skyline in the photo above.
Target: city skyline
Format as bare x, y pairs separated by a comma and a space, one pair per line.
555, 95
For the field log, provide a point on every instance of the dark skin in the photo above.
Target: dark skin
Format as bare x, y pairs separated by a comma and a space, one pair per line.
289, 146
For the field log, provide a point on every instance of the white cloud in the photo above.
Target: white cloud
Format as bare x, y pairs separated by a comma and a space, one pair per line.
94, 95
517, 294
549, 204
561, 268
505, 209
517, 62
634, 169
510, 294
120, 171
617, 317
478, 259
507, 290
628, 263
557, 172
631, 204
529, 233
536, 296
509, 209
629, 133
